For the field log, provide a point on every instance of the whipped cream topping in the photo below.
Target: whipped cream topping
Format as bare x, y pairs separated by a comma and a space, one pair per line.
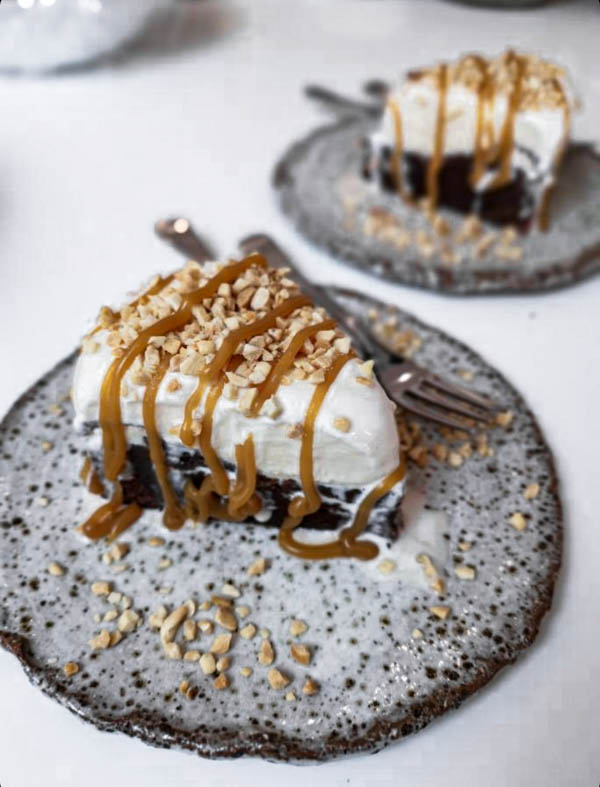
368, 451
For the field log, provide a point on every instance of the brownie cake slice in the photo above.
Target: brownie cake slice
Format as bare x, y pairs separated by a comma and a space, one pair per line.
222, 392
482, 136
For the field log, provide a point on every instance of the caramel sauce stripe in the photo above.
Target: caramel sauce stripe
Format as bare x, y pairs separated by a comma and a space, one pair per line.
113, 434
245, 484
346, 545
485, 90
111, 518
198, 501
219, 476
398, 145
193, 401
271, 384
228, 349
507, 136
90, 478
234, 339
173, 517
439, 139
311, 500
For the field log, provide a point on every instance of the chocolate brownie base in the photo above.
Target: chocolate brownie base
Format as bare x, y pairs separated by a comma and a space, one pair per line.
339, 504
512, 203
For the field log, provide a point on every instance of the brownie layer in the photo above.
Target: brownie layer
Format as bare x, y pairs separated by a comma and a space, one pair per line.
339, 504
513, 203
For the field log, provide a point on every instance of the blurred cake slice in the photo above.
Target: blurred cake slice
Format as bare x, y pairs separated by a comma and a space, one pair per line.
482, 136
223, 392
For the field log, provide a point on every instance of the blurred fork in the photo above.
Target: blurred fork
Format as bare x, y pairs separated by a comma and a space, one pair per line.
180, 234
409, 385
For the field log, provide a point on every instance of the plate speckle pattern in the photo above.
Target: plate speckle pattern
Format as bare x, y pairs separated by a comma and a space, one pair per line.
378, 683
319, 177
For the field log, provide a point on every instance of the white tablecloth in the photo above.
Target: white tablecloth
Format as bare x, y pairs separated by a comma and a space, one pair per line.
89, 160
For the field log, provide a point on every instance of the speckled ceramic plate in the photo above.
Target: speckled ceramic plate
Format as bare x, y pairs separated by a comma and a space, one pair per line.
320, 188
378, 681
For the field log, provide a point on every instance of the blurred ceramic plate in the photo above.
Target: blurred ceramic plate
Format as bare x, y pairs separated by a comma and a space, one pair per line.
321, 189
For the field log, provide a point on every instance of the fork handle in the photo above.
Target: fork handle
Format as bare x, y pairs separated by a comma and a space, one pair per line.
361, 339
180, 234
377, 88
336, 102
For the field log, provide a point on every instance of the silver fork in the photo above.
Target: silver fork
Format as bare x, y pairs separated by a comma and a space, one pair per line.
411, 386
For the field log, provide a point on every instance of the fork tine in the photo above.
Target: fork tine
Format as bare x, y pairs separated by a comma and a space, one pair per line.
461, 393
453, 405
429, 413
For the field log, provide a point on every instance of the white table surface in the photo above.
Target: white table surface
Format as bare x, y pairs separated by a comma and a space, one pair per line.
88, 161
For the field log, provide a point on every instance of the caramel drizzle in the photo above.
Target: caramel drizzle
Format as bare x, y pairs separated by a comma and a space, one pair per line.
85, 469
112, 518
219, 481
385, 486
507, 135
206, 502
186, 434
309, 503
347, 543
159, 284
89, 476
245, 483
271, 384
210, 499
113, 433
232, 341
398, 145
173, 517
226, 351
200, 503
484, 133
438, 144
219, 477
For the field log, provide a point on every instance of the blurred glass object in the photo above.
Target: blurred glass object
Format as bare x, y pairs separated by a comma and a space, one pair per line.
46, 35
504, 3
